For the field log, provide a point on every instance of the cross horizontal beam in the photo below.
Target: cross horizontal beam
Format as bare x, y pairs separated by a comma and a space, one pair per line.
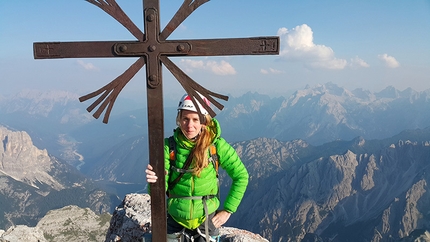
203, 47
85, 49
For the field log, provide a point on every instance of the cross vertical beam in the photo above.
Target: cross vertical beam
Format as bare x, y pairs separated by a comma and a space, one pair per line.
154, 93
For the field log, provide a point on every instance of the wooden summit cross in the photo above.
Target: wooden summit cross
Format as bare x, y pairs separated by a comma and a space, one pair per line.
153, 49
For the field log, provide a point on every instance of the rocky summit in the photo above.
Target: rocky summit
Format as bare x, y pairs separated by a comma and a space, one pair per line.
130, 222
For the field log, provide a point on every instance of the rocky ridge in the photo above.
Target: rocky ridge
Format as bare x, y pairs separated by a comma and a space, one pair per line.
361, 190
24, 162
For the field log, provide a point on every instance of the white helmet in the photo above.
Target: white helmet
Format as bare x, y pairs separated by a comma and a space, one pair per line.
186, 104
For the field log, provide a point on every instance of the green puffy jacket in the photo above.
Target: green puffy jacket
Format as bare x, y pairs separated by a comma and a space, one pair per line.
190, 213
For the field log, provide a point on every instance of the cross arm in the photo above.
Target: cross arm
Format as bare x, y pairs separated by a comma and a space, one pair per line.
236, 46
88, 49
113, 9
187, 7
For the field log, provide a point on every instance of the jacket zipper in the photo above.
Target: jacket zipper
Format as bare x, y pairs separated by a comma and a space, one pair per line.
192, 192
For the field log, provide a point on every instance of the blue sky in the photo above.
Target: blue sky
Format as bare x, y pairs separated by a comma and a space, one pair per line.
354, 44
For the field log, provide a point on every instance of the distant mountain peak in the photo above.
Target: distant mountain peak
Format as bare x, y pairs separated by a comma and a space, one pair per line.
388, 92
24, 162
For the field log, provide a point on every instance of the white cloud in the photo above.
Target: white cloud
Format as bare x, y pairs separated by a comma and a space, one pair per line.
270, 71
358, 62
389, 61
297, 45
87, 66
219, 68
192, 64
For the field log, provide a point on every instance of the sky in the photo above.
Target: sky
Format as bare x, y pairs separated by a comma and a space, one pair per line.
354, 44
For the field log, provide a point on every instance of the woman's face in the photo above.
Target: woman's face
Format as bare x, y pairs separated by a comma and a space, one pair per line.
190, 123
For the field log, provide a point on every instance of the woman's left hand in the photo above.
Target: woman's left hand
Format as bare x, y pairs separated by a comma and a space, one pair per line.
220, 218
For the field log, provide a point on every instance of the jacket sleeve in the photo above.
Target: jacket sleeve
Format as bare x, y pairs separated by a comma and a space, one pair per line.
231, 163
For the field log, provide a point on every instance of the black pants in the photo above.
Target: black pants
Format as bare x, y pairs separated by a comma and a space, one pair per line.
174, 227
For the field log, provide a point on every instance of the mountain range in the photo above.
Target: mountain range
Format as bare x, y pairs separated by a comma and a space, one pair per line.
325, 164
358, 190
325, 113
316, 115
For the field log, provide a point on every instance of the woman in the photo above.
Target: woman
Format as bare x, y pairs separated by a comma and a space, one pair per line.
193, 202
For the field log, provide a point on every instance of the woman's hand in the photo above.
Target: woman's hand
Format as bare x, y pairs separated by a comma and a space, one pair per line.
220, 218
151, 177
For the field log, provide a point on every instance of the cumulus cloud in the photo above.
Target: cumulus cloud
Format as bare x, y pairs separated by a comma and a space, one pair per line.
358, 62
219, 68
87, 66
389, 61
270, 71
297, 45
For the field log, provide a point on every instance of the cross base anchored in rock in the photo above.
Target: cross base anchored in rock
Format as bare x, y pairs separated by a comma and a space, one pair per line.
131, 221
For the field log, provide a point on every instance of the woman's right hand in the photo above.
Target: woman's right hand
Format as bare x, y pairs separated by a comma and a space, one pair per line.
151, 177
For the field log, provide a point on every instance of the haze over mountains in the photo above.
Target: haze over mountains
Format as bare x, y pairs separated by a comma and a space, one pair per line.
325, 113
324, 162
316, 114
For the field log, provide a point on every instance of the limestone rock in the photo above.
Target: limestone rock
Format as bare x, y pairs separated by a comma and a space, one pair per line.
23, 161
69, 223
419, 235
72, 223
131, 219
229, 234
22, 233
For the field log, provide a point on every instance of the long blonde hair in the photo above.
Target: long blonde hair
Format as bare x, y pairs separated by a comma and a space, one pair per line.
205, 139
